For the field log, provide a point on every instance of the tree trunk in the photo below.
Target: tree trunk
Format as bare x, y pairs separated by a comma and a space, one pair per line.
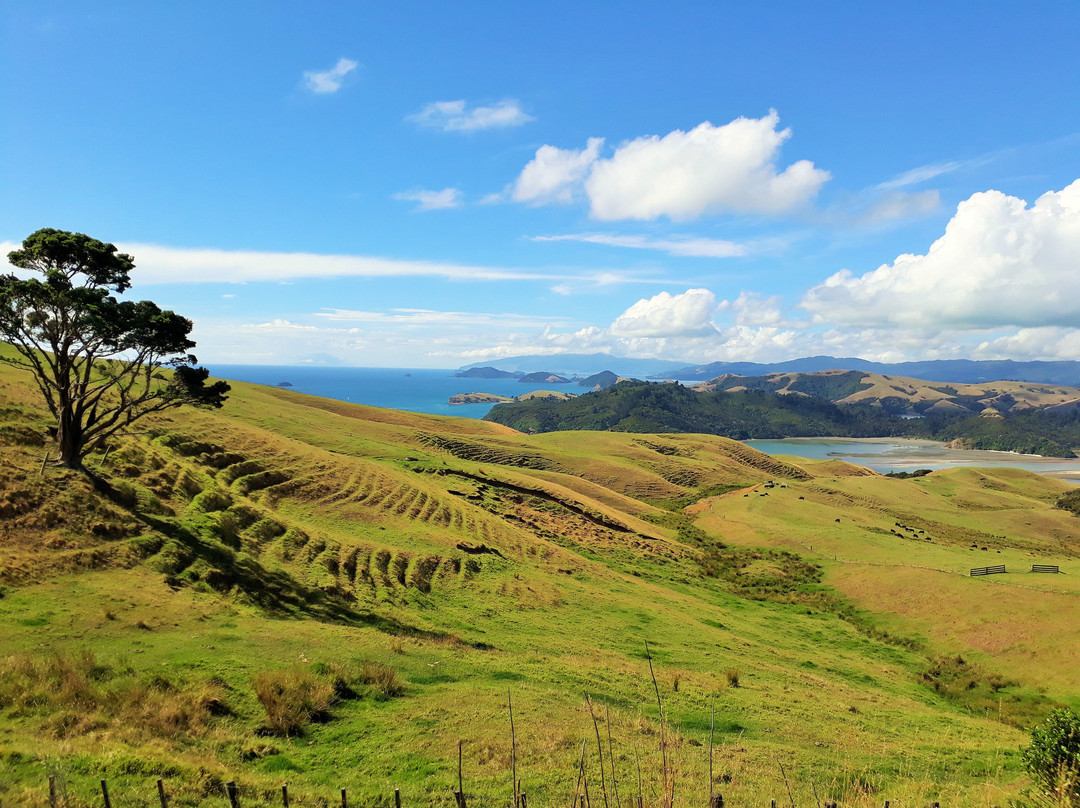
69, 436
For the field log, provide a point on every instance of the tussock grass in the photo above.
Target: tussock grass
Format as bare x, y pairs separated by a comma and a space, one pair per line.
293, 700
76, 695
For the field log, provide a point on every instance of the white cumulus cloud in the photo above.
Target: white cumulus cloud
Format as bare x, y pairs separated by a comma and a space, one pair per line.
999, 263
689, 314
456, 116
432, 200
329, 81
752, 310
682, 175
1047, 342
554, 174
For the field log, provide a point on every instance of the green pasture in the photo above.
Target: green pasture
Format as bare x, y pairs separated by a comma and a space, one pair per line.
317, 541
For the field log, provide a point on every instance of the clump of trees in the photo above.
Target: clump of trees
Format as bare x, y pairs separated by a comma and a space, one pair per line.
101, 363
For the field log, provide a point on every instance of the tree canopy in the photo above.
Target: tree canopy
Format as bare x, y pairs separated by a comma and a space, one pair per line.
97, 360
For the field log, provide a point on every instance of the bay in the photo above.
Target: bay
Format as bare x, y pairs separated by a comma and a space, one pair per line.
893, 454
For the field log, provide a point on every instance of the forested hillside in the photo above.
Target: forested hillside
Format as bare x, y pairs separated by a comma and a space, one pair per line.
756, 413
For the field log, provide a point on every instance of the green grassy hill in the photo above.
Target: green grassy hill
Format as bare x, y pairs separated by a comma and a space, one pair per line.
298, 590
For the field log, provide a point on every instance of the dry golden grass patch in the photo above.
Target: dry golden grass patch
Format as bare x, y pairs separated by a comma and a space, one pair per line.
1033, 634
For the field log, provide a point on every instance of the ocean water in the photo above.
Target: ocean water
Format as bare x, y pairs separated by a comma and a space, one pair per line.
413, 389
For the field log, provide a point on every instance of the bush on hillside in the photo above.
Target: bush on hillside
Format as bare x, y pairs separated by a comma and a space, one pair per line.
1053, 758
1070, 502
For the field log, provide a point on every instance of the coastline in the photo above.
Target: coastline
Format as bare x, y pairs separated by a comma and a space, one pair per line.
907, 454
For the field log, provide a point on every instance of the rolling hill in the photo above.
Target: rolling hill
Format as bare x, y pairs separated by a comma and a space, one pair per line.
403, 575
905, 395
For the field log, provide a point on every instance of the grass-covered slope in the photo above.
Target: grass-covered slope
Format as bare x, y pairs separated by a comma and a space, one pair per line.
301, 590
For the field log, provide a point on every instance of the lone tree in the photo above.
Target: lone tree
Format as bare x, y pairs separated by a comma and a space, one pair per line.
95, 359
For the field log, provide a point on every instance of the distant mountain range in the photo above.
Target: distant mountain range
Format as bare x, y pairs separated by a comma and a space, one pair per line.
901, 395
966, 371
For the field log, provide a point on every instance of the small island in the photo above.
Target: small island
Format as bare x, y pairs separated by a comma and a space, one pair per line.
543, 377
495, 398
485, 373
480, 398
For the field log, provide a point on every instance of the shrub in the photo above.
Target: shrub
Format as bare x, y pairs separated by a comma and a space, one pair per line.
732, 675
1053, 758
382, 678
292, 700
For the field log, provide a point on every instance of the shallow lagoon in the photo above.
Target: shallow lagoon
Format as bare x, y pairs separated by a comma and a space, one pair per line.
898, 454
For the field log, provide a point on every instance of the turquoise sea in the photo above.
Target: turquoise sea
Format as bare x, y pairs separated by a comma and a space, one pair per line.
413, 389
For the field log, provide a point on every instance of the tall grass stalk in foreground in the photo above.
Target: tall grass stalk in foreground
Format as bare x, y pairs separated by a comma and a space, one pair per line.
513, 749
667, 781
599, 750
611, 757
712, 731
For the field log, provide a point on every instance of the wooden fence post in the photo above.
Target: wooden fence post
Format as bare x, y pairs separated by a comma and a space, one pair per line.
230, 790
397, 798
285, 795
459, 795
52, 788
105, 794
344, 799
161, 794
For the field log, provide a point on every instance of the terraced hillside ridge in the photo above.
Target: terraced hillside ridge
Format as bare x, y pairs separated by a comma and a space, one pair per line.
302, 590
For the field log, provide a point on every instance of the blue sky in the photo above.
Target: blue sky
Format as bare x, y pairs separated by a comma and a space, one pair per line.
430, 184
